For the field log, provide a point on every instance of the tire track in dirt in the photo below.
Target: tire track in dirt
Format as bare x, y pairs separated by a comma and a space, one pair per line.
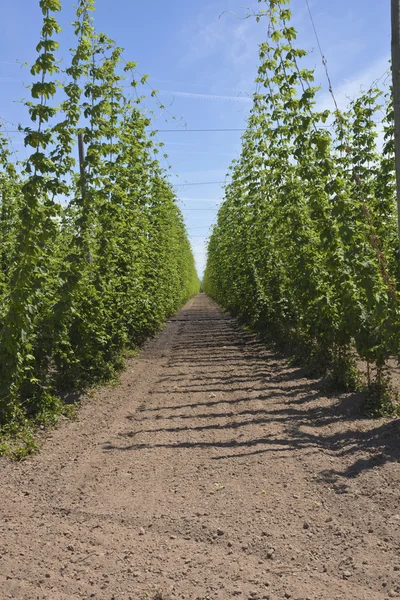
214, 470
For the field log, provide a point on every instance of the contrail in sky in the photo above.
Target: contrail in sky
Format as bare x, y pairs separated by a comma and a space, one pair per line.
209, 96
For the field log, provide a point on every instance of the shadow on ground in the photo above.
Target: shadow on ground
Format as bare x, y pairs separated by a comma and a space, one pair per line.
219, 372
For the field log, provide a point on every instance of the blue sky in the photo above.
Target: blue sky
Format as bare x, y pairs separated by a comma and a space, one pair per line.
204, 67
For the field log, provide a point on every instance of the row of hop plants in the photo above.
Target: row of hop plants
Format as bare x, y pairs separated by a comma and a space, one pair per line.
93, 253
305, 247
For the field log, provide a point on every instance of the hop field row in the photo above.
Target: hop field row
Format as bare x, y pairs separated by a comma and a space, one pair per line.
306, 247
93, 249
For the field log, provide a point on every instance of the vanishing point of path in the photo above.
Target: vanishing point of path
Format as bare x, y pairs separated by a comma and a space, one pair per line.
213, 471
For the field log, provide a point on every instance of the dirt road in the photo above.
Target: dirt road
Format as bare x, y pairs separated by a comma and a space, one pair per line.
213, 471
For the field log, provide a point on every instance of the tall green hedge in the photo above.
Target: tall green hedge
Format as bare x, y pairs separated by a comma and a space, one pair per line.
93, 255
306, 245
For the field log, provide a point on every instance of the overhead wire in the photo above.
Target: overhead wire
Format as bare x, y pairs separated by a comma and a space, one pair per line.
324, 60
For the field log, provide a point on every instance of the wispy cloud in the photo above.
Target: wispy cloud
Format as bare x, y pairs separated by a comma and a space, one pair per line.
198, 96
350, 87
231, 43
9, 80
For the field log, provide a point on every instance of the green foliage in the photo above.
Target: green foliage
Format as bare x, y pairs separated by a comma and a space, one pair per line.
305, 247
382, 400
94, 256
18, 442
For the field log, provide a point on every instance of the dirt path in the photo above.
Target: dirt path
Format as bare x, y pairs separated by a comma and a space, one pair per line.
212, 471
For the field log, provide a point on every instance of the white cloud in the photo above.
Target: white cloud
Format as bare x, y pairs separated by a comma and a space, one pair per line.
200, 257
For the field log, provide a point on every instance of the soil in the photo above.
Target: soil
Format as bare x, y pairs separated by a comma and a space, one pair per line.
212, 471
